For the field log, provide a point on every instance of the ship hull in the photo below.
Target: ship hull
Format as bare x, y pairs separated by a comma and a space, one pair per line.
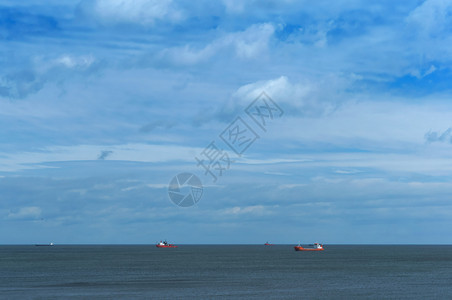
166, 246
298, 248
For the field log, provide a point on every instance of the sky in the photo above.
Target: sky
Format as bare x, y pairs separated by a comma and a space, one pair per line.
104, 102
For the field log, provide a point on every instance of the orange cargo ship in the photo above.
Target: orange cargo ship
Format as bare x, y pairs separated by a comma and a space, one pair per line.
317, 247
165, 244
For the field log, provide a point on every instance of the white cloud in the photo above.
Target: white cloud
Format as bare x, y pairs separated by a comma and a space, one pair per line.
157, 185
252, 41
291, 186
70, 61
250, 161
277, 173
253, 210
144, 12
430, 70
149, 185
246, 44
432, 17
234, 6
347, 171
417, 73
429, 30
279, 88
41, 69
241, 6
25, 213
305, 97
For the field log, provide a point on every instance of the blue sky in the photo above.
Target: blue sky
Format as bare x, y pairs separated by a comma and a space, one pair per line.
102, 102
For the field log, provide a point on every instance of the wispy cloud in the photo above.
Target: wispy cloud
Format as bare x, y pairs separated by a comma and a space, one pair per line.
25, 213
248, 44
157, 124
141, 12
252, 210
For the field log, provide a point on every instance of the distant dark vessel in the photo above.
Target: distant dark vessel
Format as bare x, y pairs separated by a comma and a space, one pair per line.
268, 244
44, 245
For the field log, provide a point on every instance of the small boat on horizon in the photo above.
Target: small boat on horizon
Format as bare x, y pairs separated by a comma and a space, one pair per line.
165, 244
315, 247
44, 245
268, 244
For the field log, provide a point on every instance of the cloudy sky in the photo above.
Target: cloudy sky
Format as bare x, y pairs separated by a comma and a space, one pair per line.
103, 102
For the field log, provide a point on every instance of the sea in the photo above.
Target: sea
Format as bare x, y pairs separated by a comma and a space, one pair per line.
225, 271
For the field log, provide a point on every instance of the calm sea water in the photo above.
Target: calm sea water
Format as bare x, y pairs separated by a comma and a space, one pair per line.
250, 271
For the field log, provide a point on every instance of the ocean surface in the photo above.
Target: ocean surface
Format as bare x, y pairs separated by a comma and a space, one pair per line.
222, 271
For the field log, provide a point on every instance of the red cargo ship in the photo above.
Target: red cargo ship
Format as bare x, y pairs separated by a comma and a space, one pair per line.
317, 247
164, 244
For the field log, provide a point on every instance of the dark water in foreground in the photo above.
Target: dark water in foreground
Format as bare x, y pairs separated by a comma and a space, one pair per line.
225, 271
